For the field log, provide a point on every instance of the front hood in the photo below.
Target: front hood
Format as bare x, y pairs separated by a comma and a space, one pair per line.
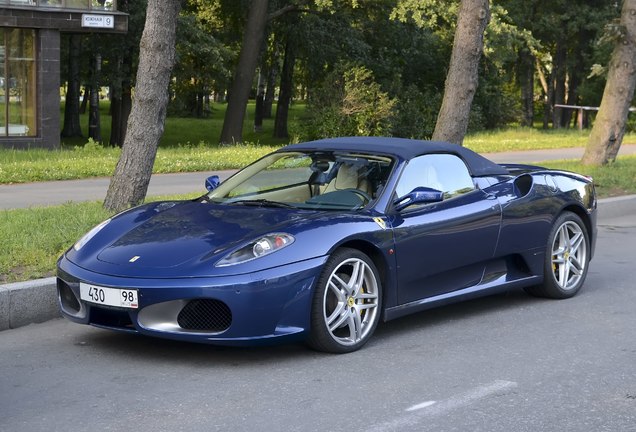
168, 235
191, 230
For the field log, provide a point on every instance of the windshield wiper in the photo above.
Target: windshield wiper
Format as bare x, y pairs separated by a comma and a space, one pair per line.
262, 203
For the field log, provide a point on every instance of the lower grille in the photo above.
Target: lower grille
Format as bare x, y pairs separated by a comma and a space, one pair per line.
205, 315
111, 318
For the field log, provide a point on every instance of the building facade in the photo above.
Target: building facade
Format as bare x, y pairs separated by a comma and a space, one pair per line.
30, 63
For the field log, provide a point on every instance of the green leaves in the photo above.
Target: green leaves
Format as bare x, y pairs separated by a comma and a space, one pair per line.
349, 102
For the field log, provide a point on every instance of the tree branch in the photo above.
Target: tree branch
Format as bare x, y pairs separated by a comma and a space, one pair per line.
301, 7
282, 11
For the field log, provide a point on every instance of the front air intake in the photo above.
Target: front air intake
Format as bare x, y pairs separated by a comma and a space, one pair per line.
68, 299
205, 315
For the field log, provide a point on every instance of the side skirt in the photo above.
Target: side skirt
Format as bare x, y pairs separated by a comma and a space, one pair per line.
480, 290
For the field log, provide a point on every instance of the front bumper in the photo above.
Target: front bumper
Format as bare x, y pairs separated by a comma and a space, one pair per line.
242, 310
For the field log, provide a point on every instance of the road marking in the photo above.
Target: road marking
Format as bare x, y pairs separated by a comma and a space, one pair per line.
419, 412
420, 406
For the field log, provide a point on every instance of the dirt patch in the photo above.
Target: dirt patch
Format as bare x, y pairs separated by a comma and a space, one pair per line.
21, 274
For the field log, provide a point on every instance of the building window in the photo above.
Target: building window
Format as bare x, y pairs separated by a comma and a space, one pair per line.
108, 5
17, 83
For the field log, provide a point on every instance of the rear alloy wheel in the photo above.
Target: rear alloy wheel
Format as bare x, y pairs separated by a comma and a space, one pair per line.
567, 259
347, 303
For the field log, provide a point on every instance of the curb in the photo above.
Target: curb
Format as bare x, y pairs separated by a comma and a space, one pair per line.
24, 303
617, 206
35, 301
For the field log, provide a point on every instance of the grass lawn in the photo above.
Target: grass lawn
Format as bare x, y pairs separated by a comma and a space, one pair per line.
185, 131
616, 179
529, 139
34, 238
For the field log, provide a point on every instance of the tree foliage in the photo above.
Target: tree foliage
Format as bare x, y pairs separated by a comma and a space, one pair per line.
350, 102
201, 68
536, 53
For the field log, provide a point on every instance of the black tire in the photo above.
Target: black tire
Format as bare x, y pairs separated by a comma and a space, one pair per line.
566, 260
344, 312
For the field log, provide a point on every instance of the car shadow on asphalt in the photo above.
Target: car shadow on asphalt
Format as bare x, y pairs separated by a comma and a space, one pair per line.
143, 348
465, 310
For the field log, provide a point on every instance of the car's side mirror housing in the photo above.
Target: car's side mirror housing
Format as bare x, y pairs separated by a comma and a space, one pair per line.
212, 182
419, 195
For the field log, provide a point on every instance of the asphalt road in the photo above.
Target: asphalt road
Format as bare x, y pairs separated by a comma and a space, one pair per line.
503, 363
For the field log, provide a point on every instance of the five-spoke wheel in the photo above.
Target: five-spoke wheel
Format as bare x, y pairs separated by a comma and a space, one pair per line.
346, 304
567, 258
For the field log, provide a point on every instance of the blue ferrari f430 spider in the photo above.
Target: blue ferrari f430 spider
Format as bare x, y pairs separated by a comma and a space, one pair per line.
320, 241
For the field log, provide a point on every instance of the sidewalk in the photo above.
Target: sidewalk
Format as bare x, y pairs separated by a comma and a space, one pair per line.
59, 192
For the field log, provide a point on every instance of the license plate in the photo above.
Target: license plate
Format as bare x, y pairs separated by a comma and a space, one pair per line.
125, 298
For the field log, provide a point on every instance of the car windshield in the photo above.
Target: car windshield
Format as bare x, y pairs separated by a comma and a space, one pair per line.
309, 180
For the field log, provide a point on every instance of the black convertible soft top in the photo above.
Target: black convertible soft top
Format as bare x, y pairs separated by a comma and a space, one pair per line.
404, 149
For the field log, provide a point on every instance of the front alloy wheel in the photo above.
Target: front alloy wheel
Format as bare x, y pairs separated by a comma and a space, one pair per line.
346, 305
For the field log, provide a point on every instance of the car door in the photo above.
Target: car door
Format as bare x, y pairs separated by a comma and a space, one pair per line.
442, 247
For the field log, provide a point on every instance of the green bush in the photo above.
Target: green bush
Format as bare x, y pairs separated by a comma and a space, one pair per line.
416, 113
349, 102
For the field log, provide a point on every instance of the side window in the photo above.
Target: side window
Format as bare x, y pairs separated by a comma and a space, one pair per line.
444, 172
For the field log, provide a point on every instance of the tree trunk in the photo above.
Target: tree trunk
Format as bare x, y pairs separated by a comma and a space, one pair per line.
462, 78
547, 92
115, 117
242, 84
576, 73
115, 104
94, 121
271, 87
609, 126
129, 183
260, 103
286, 89
526, 81
570, 115
121, 91
559, 84
72, 126
84, 103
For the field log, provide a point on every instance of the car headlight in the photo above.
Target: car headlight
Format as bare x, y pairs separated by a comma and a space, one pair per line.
257, 248
89, 235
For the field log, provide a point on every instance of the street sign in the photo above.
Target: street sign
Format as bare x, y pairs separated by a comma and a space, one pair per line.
98, 21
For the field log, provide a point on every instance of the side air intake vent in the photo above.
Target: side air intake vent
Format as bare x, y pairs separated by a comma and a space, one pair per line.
523, 184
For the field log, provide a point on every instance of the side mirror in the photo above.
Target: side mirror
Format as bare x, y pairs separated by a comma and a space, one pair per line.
419, 195
212, 182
